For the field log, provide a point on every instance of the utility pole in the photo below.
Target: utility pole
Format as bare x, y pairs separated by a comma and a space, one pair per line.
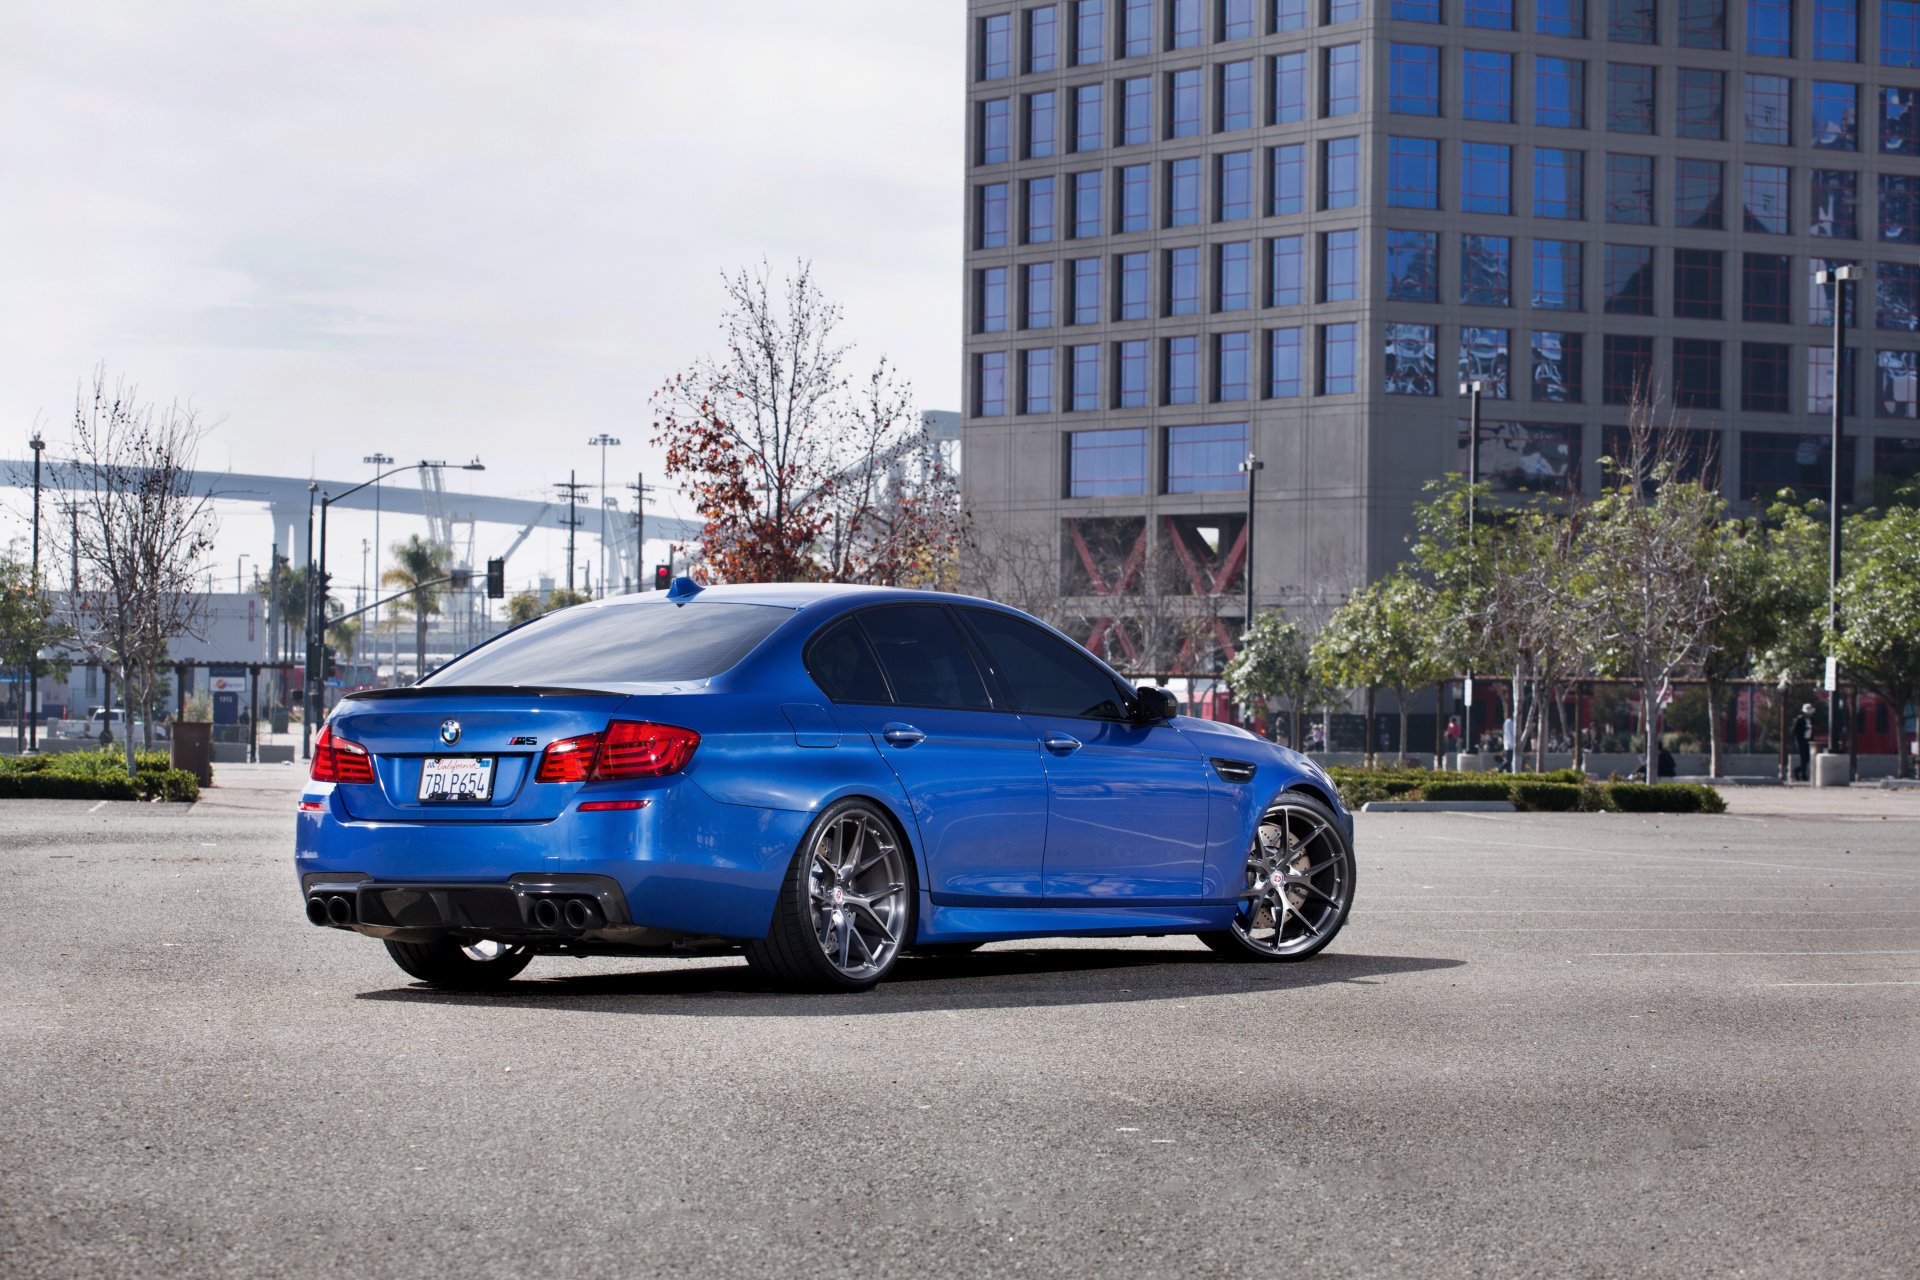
1839, 278
378, 461
641, 492
1472, 390
308, 691
1251, 468
33, 695
603, 440
571, 490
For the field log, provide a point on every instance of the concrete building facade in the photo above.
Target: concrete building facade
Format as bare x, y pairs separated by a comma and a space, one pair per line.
1202, 228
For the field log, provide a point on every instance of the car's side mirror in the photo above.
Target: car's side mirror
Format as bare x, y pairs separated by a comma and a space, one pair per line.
1155, 704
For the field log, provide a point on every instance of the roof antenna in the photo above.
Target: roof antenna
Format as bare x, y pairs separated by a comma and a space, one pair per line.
682, 590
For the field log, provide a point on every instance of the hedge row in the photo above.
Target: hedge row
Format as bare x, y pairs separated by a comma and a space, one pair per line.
1561, 791
95, 775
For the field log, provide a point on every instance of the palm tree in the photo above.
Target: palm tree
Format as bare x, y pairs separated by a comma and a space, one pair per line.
420, 566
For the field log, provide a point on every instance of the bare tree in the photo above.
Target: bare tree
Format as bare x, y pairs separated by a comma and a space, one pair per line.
140, 534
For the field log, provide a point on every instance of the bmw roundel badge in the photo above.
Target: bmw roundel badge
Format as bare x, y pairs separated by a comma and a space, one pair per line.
449, 731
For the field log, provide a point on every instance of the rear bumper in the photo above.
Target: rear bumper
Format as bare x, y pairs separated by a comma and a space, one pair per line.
522, 909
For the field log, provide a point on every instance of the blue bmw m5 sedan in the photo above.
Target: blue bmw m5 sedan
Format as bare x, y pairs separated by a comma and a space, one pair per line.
820, 778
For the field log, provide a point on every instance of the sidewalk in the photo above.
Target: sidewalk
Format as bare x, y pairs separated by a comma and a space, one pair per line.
1862, 801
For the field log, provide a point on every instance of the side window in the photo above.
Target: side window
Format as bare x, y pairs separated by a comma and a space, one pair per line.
843, 666
924, 657
1047, 675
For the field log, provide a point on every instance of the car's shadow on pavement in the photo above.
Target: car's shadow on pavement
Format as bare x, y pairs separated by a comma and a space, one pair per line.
985, 980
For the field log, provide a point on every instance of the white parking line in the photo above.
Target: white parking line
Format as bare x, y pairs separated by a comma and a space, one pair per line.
1596, 954
1843, 984
1669, 857
98, 807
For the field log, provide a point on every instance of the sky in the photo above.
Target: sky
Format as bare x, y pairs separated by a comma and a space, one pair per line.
449, 228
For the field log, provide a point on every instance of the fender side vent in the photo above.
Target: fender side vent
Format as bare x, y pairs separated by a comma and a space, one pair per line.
1233, 770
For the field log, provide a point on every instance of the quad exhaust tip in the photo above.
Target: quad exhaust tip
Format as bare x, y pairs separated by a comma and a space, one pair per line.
574, 915
316, 910
339, 911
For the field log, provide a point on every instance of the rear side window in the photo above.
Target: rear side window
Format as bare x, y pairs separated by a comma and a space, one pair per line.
925, 658
844, 667
618, 645
1047, 675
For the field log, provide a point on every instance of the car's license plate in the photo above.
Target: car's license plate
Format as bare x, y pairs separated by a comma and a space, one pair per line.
467, 779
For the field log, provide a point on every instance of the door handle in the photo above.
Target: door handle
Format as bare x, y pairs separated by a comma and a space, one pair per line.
1060, 744
901, 735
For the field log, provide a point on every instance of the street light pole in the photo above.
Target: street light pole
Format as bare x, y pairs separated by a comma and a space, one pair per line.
1472, 391
33, 677
376, 460
1251, 468
1839, 278
603, 440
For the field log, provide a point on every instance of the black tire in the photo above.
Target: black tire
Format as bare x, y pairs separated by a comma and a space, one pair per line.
850, 883
1316, 866
452, 964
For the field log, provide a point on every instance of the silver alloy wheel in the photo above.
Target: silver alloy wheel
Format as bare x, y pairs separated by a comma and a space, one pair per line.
857, 884
1297, 885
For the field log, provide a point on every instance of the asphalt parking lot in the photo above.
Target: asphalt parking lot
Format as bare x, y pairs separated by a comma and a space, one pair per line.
1546, 1045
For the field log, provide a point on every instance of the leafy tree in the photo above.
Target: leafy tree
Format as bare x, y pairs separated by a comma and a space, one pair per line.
344, 637
1384, 636
1272, 662
27, 631
525, 606
418, 567
1880, 610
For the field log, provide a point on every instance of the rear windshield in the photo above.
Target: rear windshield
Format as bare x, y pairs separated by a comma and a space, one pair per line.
619, 645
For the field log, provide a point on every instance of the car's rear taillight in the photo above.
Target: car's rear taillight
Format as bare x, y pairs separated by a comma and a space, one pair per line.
627, 749
335, 759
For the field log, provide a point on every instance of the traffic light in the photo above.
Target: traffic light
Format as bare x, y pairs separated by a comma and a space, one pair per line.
329, 668
496, 579
662, 577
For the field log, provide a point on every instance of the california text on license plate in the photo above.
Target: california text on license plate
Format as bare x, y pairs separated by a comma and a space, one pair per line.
456, 778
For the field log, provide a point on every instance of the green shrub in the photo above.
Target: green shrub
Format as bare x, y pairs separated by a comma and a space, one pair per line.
1466, 791
1665, 797
1546, 797
47, 785
95, 775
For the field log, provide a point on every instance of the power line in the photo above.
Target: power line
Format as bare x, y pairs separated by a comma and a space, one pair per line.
641, 491
570, 489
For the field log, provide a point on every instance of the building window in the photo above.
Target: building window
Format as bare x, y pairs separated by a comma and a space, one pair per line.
1237, 21
1340, 172
993, 215
1236, 96
1038, 377
1820, 381
1183, 281
1183, 192
1486, 85
1343, 79
1559, 93
1557, 269
1107, 464
1413, 173
1836, 204
1289, 88
1286, 271
1339, 359
1763, 198
1627, 280
1896, 384
1486, 271
1040, 212
1083, 378
996, 47
1130, 374
1130, 297
1899, 33
1136, 198
1289, 15
1494, 14
1086, 291
1698, 197
1413, 266
1410, 359
1040, 125
1561, 18
1043, 38
1559, 183
1486, 177
1770, 28
1283, 364
1630, 98
1186, 29
1089, 32
1206, 459
1136, 28
1288, 178
1630, 189
1558, 376
1232, 367
1836, 116
1766, 288
1415, 10
1089, 117
995, 123
1763, 376
1038, 290
1696, 373
1820, 296
1182, 357
1698, 284
1413, 79
1233, 182
1899, 208
1233, 276
990, 384
1836, 30
1900, 121
1770, 462
991, 312
1484, 358
1896, 295
1769, 110
1703, 24
1183, 118
1086, 205
1339, 11
1136, 111
1339, 266
1633, 22
1701, 110
1626, 367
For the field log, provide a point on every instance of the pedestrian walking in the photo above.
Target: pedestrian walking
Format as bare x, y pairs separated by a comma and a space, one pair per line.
1506, 744
1803, 743
1453, 734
